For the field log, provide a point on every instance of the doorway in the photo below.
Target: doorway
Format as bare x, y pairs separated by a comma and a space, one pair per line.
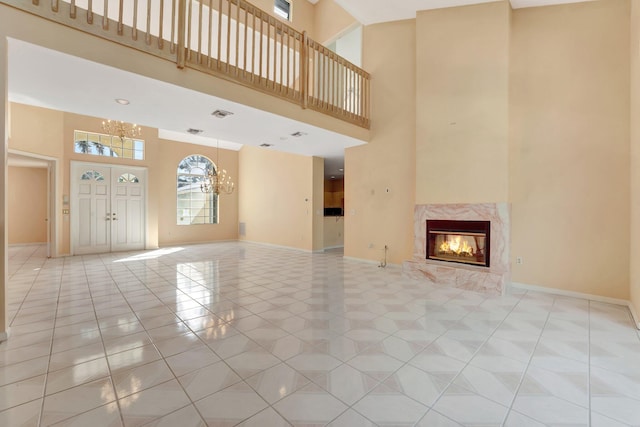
107, 208
33, 176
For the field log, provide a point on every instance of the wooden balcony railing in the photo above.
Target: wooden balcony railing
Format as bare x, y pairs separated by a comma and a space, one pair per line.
231, 39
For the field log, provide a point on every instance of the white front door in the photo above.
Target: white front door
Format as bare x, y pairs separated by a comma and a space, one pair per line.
127, 209
107, 209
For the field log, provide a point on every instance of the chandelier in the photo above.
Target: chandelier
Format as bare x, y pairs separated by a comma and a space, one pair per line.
121, 129
218, 181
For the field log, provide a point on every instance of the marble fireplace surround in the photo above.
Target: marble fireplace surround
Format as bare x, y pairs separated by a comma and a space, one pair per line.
493, 279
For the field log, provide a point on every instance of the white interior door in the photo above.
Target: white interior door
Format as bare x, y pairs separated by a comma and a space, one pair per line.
107, 211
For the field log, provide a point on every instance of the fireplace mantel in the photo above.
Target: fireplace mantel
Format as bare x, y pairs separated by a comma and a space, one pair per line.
492, 279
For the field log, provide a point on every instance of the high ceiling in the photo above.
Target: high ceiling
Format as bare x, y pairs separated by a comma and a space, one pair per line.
375, 11
171, 109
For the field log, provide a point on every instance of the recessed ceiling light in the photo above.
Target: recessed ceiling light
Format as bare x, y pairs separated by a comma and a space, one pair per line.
193, 131
266, 145
298, 134
221, 114
122, 101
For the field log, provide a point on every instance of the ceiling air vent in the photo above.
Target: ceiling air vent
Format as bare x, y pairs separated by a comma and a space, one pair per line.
193, 131
298, 134
266, 145
221, 114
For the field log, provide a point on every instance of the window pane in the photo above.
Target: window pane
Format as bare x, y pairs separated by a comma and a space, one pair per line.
282, 8
194, 206
106, 145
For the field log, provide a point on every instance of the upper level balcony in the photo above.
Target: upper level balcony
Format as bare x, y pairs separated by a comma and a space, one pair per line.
229, 39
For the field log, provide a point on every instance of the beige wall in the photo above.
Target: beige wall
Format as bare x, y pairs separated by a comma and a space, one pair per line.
333, 231
331, 21
4, 232
41, 131
163, 182
462, 60
318, 203
27, 199
569, 168
161, 160
635, 158
277, 198
374, 216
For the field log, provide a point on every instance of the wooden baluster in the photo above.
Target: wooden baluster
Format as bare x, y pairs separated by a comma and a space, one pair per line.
134, 27
244, 51
182, 9
189, 33
237, 64
148, 35
172, 45
219, 32
210, 38
228, 54
120, 26
105, 15
90, 12
161, 26
199, 54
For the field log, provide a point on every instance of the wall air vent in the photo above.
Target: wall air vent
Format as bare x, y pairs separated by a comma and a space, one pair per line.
221, 114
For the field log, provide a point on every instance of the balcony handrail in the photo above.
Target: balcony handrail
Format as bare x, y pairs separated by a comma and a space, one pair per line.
230, 39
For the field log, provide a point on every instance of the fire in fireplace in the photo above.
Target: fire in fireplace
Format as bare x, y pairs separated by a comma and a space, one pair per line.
466, 242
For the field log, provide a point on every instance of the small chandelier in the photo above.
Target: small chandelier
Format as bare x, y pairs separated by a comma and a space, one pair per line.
217, 182
121, 129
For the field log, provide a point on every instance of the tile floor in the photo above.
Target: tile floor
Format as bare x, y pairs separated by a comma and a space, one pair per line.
240, 334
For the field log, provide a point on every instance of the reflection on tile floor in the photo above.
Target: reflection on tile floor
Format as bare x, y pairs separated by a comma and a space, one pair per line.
241, 334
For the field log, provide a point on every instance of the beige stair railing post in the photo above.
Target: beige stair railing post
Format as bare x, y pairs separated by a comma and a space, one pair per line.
182, 18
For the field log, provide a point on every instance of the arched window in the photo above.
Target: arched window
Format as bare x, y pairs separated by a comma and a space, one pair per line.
128, 177
194, 206
91, 175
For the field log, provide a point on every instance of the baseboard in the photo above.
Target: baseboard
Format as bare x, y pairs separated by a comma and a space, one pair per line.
582, 295
372, 262
328, 248
573, 294
17, 245
174, 244
5, 335
634, 314
272, 245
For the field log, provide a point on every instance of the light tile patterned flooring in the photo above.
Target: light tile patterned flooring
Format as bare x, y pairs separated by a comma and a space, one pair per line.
241, 334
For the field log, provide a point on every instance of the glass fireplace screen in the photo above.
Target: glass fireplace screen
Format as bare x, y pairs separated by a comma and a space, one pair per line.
464, 242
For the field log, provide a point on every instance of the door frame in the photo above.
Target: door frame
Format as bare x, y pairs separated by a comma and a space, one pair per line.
73, 189
53, 217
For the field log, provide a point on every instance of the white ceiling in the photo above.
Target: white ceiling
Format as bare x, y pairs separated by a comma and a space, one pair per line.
50, 79
375, 11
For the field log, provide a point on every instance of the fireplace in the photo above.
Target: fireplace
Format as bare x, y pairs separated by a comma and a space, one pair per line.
465, 242
489, 272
